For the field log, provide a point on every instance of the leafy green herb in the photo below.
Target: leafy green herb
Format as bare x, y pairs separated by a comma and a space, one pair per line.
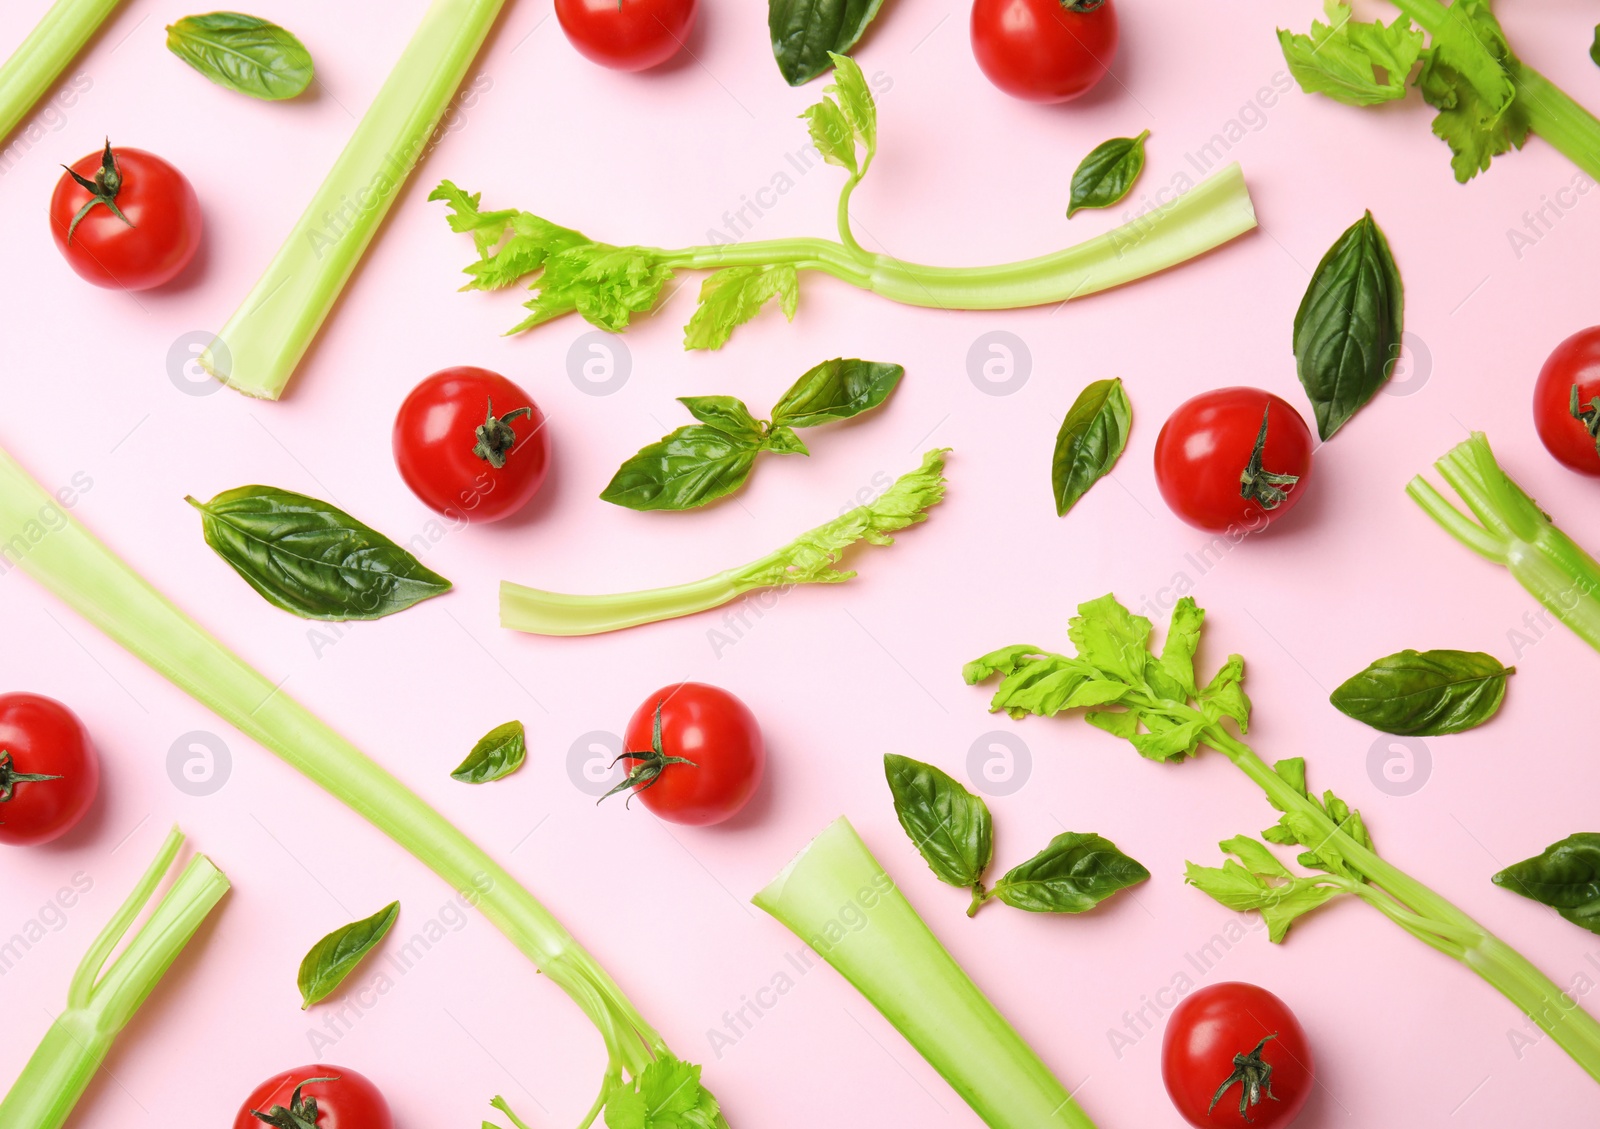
1425, 693
1090, 442
336, 955
1107, 174
807, 33
1359, 64
698, 464
1348, 328
499, 753
313, 559
1566, 877
243, 53
949, 825
1594, 52
1073, 874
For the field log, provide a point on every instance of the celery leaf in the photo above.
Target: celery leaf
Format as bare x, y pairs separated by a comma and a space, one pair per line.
667, 1094
1345, 57
732, 296
1467, 76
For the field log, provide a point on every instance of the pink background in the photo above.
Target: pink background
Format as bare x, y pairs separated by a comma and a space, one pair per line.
838, 677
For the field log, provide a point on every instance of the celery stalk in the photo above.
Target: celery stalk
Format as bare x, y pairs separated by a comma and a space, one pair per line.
263, 342
837, 899
100, 1006
41, 58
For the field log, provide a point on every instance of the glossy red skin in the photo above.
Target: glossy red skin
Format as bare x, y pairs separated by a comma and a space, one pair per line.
435, 432
1205, 445
352, 1102
1040, 51
1212, 1025
626, 35
1575, 361
45, 737
719, 734
157, 199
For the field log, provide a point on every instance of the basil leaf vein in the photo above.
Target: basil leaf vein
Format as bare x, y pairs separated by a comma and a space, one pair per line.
1091, 439
1425, 693
1074, 873
949, 825
243, 53
1566, 877
1107, 174
334, 957
500, 752
805, 31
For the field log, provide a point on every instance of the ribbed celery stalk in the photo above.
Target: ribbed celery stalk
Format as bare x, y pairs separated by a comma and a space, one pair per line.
54, 43
263, 342
100, 1006
837, 899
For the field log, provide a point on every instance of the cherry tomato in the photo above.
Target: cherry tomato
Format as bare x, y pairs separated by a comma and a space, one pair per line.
49, 773
626, 35
695, 754
471, 444
1044, 50
328, 1097
1564, 408
1235, 1057
125, 219
1235, 457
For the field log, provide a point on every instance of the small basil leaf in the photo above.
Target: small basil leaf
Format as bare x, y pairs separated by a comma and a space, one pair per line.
311, 558
1074, 873
692, 466
1425, 693
1090, 441
805, 31
835, 390
336, 955
1347, 330
1107, 174
1566, 877
243, 53
782, 440
725, 413
500, 753
949, 825
1594, 52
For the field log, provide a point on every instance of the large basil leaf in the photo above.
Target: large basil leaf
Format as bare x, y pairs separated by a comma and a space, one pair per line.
1425, 693
1566, 877
691, 467
1347, 330
1107, 174
500, 753
949, 825
835, 390
804, 31
313, 559
1090, 441
243, 53
336, 955
1074, 873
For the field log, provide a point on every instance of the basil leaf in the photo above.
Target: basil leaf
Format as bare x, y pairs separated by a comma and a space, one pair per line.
1074, 873
500, 753
692, 466
805, 31
336, 955
313, 559
1090, 441
1107, 173
243, 53
949, 825
1594, 52
725, 413
1566, 877
1347, 330
836, 389
1425, 693
782, 440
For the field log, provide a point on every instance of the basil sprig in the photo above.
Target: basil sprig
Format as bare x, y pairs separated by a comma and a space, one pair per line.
1566, 877
1425, 693
499, 753
1090, 441
312, 559
1348, 328
804, 32
1107, 174
243, 53
334, 957
702, 462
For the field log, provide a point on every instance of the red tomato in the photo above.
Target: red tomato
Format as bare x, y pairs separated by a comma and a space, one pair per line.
49, 773
696, 754
626, 35
327, 1097
1570, 424
1044, 50
1234, 1056
471, 444
1207, 463
138, 221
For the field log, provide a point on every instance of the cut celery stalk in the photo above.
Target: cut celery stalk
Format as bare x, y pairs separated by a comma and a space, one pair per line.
41, 58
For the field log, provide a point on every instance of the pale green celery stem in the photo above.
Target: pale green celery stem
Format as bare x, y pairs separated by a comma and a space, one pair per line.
264, 341
557, 613
837, 899
53, 43
99, 1007
86, 575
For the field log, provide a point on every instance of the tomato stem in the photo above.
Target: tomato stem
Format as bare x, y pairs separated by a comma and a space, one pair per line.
1254, 1076
301, 1113
102, 189
10, 777
495, 439
650, 764
1268, 489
